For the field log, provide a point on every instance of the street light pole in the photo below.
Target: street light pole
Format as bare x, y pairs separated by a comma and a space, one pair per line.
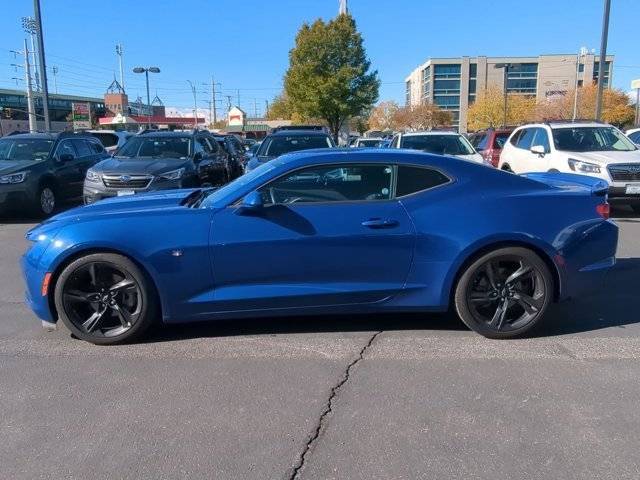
146, 74
603, 57
33, 125
504, 66
43, 65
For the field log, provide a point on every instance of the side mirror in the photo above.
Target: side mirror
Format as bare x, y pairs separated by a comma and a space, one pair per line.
66, 157
539, 149
252, 202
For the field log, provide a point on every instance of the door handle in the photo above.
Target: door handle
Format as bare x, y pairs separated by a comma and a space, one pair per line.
380, 223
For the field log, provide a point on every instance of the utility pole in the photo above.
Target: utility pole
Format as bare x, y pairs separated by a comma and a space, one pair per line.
195, 104
43, 66
228, 102
506, 67
603, 57
55, 78
238, 92
255, 108
213, 100
33, 125
266, 108
120, 53
583, 52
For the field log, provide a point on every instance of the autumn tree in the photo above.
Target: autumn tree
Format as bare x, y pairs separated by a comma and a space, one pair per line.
382, 115
421, 117
616, 106
488, 109
329, 74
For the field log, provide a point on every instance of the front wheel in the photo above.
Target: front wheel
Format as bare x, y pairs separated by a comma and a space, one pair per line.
105, 299
46, 201
504, 293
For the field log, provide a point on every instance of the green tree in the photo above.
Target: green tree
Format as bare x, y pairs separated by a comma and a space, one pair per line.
329, 74
280, 108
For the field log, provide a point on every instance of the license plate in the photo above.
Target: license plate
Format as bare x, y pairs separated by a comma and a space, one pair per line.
633, 189
122, 193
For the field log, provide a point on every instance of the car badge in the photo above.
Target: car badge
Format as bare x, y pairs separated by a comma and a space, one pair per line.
125, 178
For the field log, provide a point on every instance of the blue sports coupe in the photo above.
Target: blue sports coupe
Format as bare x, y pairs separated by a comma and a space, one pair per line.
326, 232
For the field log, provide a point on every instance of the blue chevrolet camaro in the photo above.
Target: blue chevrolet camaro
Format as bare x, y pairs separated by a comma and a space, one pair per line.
326, 231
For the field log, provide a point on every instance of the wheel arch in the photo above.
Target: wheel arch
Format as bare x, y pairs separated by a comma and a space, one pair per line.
472, 254
89, 250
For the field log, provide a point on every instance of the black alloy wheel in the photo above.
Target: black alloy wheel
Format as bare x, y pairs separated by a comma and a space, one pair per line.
45, 201
504, 293
104, 299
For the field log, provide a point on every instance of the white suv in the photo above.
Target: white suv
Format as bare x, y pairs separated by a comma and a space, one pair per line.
594, 149
438, 142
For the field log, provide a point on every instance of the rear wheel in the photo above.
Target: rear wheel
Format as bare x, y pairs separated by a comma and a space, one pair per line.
105, 299
504, 293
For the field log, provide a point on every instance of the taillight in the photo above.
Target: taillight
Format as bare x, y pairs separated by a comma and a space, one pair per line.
603, 210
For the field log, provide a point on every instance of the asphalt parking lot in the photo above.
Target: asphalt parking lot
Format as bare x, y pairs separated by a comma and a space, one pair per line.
384, 397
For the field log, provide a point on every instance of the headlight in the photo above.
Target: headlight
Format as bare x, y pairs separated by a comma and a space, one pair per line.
13, 177
93, 176
583, 167
173, 174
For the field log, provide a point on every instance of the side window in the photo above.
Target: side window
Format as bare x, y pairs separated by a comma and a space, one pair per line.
482, 142
516, 136
203, 146
96, 147
82, 147
331, 184
395, 141
415, 179
635, 137
66, 147
542, 138
526, 137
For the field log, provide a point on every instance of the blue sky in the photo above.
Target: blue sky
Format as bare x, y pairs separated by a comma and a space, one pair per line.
246, 44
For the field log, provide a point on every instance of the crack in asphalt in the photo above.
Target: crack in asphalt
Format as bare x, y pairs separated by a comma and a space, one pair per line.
328, 408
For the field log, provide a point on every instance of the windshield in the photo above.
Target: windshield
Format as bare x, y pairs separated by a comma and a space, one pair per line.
500, 139
158, 147
276, 146
439, 144
25, 148
591, 139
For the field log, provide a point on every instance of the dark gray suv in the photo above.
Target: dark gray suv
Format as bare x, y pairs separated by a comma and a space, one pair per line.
148, 161
40, 170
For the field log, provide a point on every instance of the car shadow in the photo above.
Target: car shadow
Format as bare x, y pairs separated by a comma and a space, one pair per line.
623, 212
613, 306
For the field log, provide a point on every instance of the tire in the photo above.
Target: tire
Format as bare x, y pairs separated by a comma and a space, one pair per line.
484, 292
105, 299
45, 201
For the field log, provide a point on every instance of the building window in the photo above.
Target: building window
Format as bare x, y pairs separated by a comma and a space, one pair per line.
408, 92
581, 68
522, 78
473, 75
447, 71
426, 83
446, 87
447, 101
596, 70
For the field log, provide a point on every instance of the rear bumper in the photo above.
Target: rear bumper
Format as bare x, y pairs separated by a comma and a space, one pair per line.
619, 195
586, 263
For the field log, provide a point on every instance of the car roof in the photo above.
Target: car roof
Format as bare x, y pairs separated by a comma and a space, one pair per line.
165, 133
567, 124
302, 133
42, 135
430, 132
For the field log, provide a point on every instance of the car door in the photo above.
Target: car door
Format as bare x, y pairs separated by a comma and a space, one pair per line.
68, 174
327, 235
522, 159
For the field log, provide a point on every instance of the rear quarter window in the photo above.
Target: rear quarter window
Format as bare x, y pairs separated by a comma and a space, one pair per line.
416, 179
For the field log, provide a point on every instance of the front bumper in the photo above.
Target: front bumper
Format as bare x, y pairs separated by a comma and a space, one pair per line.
93, 192
14, 197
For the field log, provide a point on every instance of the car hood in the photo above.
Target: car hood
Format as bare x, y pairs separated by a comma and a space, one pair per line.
11, 166
606, 158
157, 201
142, 166
474, 157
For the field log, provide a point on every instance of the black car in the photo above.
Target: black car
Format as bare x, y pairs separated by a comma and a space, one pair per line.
237, 152
157, 160
287, 141
40, 170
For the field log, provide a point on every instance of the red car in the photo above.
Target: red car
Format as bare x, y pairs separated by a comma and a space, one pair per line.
488, 143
